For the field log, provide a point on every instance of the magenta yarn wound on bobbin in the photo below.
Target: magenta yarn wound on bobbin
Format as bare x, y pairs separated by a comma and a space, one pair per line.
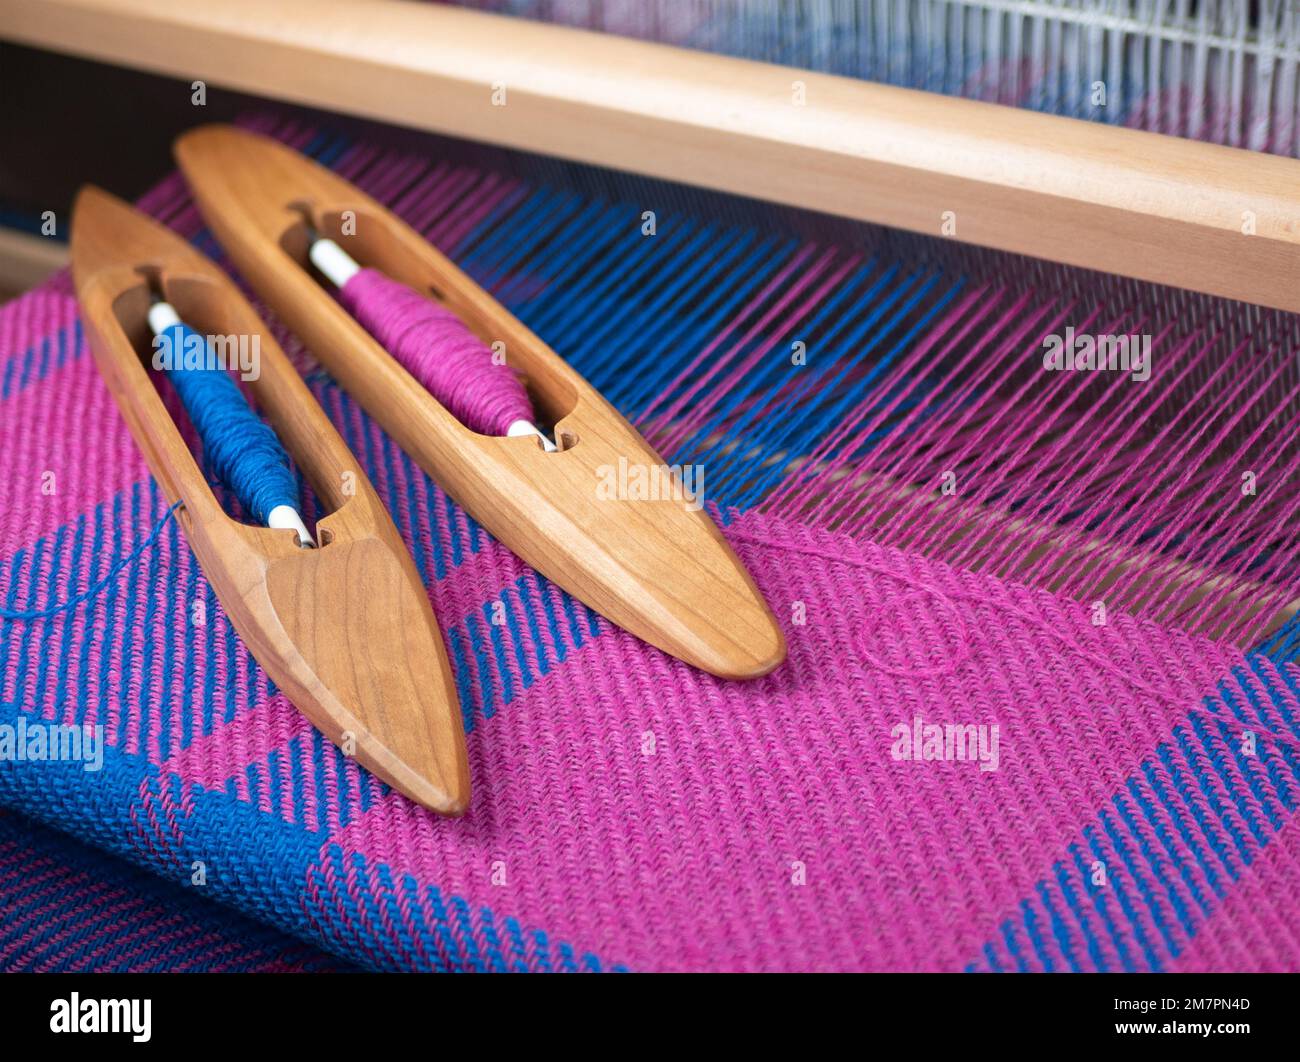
438, 349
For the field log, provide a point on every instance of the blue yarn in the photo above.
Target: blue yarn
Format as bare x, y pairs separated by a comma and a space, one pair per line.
242, 450
91, 591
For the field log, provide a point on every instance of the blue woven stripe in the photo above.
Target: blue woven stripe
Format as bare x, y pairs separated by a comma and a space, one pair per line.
50, 917
506, 658
250, 859
32, 366
1150, 883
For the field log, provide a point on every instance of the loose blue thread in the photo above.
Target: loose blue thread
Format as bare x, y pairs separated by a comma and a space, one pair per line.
91, 591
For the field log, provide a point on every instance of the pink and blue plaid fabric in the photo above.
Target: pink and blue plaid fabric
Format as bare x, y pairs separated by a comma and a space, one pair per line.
630, 813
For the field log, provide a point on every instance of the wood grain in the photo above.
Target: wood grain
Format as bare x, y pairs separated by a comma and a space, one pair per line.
1138, 204
657, 567
345, 630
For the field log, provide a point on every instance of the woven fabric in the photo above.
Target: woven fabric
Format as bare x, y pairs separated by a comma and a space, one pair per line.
68, 908
629, 813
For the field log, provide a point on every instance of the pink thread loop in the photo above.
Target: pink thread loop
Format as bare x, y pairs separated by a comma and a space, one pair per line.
438, 349
919, 588
916, 645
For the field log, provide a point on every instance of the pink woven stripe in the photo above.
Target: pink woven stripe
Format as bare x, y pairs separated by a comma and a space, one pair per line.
480, 574
224, 755
44, 435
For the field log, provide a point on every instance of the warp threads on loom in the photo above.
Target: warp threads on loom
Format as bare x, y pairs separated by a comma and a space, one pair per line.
433, 345
244, 452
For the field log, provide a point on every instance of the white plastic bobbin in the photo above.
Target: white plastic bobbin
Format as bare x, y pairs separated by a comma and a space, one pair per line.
285, 517
337, 265
162, 316
527, 427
